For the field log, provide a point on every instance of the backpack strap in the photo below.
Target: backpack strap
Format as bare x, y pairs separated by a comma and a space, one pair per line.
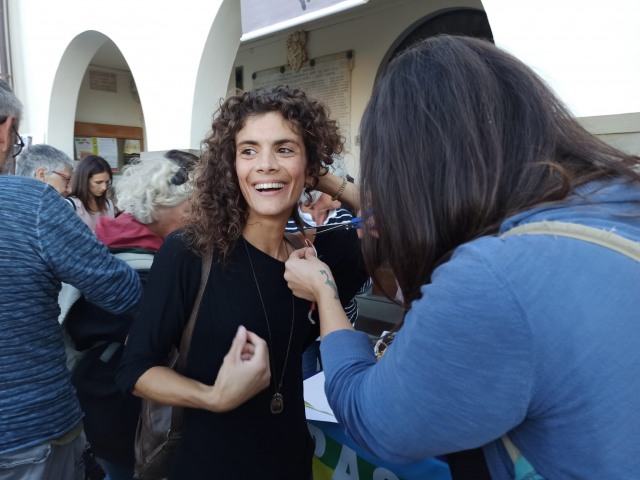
523, 470
177, 413
605, 238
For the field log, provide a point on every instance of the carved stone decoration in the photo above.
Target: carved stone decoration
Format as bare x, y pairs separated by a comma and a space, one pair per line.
296, 53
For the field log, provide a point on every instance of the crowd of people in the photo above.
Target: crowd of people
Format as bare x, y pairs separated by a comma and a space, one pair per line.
215, 285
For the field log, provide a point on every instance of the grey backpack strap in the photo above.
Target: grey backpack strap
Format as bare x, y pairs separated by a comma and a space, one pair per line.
177, 413
604, 238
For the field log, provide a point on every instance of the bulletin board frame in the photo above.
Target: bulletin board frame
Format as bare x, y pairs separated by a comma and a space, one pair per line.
119, 132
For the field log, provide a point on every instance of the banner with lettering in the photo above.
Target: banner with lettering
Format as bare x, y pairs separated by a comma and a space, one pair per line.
337, 457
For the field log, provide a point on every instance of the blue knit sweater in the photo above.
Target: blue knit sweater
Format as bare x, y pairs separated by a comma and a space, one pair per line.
43, 242
534, 335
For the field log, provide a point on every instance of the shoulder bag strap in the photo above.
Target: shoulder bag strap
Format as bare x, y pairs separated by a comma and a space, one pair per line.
295, 241
604, 238
187, 335
177, 413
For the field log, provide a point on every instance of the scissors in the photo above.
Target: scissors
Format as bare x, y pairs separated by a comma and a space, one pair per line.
353, 223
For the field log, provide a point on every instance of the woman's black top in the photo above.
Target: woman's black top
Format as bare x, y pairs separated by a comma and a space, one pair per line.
249, 442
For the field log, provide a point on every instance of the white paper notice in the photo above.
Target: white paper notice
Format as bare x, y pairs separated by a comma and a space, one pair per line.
84, 147
316, 404
131, 147
108, 149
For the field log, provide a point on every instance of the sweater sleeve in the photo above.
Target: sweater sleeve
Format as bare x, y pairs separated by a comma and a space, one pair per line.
172, 287
75, 256
457, 376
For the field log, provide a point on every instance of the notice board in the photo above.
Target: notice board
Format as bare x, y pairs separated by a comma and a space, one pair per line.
116, 143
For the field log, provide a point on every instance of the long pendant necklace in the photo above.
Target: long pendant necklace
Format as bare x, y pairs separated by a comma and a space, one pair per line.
277, 402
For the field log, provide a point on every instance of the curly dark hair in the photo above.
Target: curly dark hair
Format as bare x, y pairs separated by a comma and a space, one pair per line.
219, 210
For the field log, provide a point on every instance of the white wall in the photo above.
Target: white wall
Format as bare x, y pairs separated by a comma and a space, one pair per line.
95, 106
587, 50
369, 31
622, 131
163, 42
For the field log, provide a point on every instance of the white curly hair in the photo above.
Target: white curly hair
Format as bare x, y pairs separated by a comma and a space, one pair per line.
145, 188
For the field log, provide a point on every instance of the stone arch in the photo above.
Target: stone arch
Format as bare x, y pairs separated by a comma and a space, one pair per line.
216, 62
66, 87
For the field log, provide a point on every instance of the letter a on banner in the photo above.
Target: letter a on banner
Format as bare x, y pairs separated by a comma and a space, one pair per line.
347, 468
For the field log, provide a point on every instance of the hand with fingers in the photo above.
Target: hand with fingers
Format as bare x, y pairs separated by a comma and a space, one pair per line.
245, 371
306, 275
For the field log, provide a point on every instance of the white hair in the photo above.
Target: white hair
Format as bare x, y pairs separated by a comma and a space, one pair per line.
9, 103
42, 156
338, 168
146, 187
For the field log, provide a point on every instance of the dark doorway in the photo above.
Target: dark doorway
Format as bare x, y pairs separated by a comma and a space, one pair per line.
455, 21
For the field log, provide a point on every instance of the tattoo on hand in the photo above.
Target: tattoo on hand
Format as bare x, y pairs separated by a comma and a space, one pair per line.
331, 284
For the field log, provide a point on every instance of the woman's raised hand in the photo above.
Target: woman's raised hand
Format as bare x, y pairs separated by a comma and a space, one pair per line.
245, 372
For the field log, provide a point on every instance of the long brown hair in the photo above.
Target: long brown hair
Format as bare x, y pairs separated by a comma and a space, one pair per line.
89, 166
458, 137
219, 210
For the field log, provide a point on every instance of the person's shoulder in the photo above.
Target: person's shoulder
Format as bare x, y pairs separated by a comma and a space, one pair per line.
12, 186
342, 216
176, 242
176, 248
339, 238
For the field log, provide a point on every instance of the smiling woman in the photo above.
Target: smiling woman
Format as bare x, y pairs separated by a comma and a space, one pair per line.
265, 148
283, 127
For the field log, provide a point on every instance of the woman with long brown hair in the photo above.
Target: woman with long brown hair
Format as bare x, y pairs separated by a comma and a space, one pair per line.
89, 184
513, 234
264, 149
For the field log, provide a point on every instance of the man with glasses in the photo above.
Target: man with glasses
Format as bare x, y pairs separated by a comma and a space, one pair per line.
43, 242
47, 164
11, 143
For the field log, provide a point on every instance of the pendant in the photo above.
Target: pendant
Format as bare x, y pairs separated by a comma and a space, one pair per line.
277, 404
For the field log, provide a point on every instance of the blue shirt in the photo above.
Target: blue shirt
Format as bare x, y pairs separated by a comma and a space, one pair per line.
534, 335
43, 242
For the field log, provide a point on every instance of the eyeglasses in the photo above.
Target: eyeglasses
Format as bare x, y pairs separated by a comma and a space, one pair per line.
17, 148
66, 177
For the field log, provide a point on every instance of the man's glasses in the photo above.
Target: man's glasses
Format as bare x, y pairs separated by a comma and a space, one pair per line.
17, 148
66, 177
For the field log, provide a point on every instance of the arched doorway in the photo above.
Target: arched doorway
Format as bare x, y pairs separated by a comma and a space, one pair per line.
93, 85
471, 22
216, 63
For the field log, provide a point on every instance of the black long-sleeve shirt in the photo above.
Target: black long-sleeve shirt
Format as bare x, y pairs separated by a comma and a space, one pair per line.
248, 442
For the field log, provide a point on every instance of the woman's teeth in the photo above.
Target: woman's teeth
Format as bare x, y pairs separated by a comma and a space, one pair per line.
269, 186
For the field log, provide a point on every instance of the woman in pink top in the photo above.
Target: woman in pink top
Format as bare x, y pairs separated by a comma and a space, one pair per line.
91, 180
